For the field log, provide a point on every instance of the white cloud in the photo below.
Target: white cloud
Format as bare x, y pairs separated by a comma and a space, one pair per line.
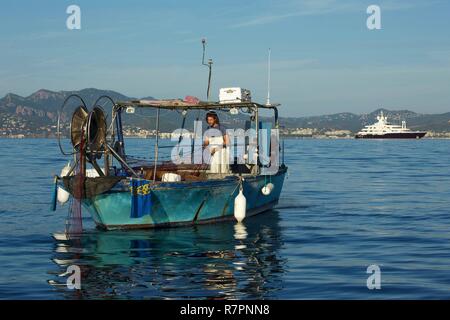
287, 10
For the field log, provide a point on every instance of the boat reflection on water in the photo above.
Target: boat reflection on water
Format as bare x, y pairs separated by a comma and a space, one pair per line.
217, 261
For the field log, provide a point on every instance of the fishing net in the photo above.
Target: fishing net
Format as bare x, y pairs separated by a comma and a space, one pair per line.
91, 186
74, 222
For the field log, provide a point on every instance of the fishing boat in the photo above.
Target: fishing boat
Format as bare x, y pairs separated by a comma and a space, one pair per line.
212, 175
382, 129
121, 192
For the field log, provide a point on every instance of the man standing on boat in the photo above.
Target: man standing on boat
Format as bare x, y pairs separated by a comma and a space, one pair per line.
218, 142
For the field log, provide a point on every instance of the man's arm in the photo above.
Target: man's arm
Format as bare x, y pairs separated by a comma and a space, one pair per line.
226, 140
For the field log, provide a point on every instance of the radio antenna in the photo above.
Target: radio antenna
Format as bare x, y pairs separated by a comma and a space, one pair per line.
209, 65
268, 80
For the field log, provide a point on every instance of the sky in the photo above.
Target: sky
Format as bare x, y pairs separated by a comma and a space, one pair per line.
324, 58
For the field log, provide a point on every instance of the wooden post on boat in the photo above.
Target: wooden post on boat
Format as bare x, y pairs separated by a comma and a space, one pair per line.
156, 145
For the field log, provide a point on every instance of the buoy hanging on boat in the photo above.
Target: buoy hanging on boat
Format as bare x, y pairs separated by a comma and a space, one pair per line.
240, 205
63, 195
267, 189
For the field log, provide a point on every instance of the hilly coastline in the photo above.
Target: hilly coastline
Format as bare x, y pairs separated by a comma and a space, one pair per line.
36, 116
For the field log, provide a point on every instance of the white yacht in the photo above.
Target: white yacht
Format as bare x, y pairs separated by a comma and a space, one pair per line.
384, 130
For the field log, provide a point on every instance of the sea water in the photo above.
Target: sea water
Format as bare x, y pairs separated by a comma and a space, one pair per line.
346, 205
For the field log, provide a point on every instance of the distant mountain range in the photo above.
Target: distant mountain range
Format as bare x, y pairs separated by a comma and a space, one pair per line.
44, 104
38, 112
354, 122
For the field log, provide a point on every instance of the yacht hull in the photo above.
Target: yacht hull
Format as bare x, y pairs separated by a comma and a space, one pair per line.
403, 135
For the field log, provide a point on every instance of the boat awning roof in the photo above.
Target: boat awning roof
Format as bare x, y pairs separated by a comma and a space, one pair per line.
182, 105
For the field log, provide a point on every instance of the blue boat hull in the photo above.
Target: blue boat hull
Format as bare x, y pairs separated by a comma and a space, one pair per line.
181, 203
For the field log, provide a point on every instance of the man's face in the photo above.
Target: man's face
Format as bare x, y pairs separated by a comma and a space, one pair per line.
211, 121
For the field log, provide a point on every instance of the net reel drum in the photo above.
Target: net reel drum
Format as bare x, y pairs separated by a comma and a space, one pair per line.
91, 138
88, 134
93, 126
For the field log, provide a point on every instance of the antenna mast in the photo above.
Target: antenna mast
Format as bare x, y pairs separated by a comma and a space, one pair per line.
209, 65
268, 80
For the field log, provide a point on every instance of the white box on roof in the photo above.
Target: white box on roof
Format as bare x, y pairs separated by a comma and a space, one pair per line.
234, 95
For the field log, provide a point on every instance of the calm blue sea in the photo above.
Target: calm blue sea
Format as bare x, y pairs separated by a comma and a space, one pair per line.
346, 204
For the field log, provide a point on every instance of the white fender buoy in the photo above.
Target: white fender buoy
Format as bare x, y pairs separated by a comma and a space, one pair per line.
63, 195
240, 205
267, 189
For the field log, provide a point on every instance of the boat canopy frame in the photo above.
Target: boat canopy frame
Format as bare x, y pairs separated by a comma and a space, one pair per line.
175, 104
178, 104
181, 105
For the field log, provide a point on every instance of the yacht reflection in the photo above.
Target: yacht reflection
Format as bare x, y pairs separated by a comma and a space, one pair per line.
220, 261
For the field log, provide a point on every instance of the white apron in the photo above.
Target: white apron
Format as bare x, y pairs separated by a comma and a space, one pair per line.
219, 162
